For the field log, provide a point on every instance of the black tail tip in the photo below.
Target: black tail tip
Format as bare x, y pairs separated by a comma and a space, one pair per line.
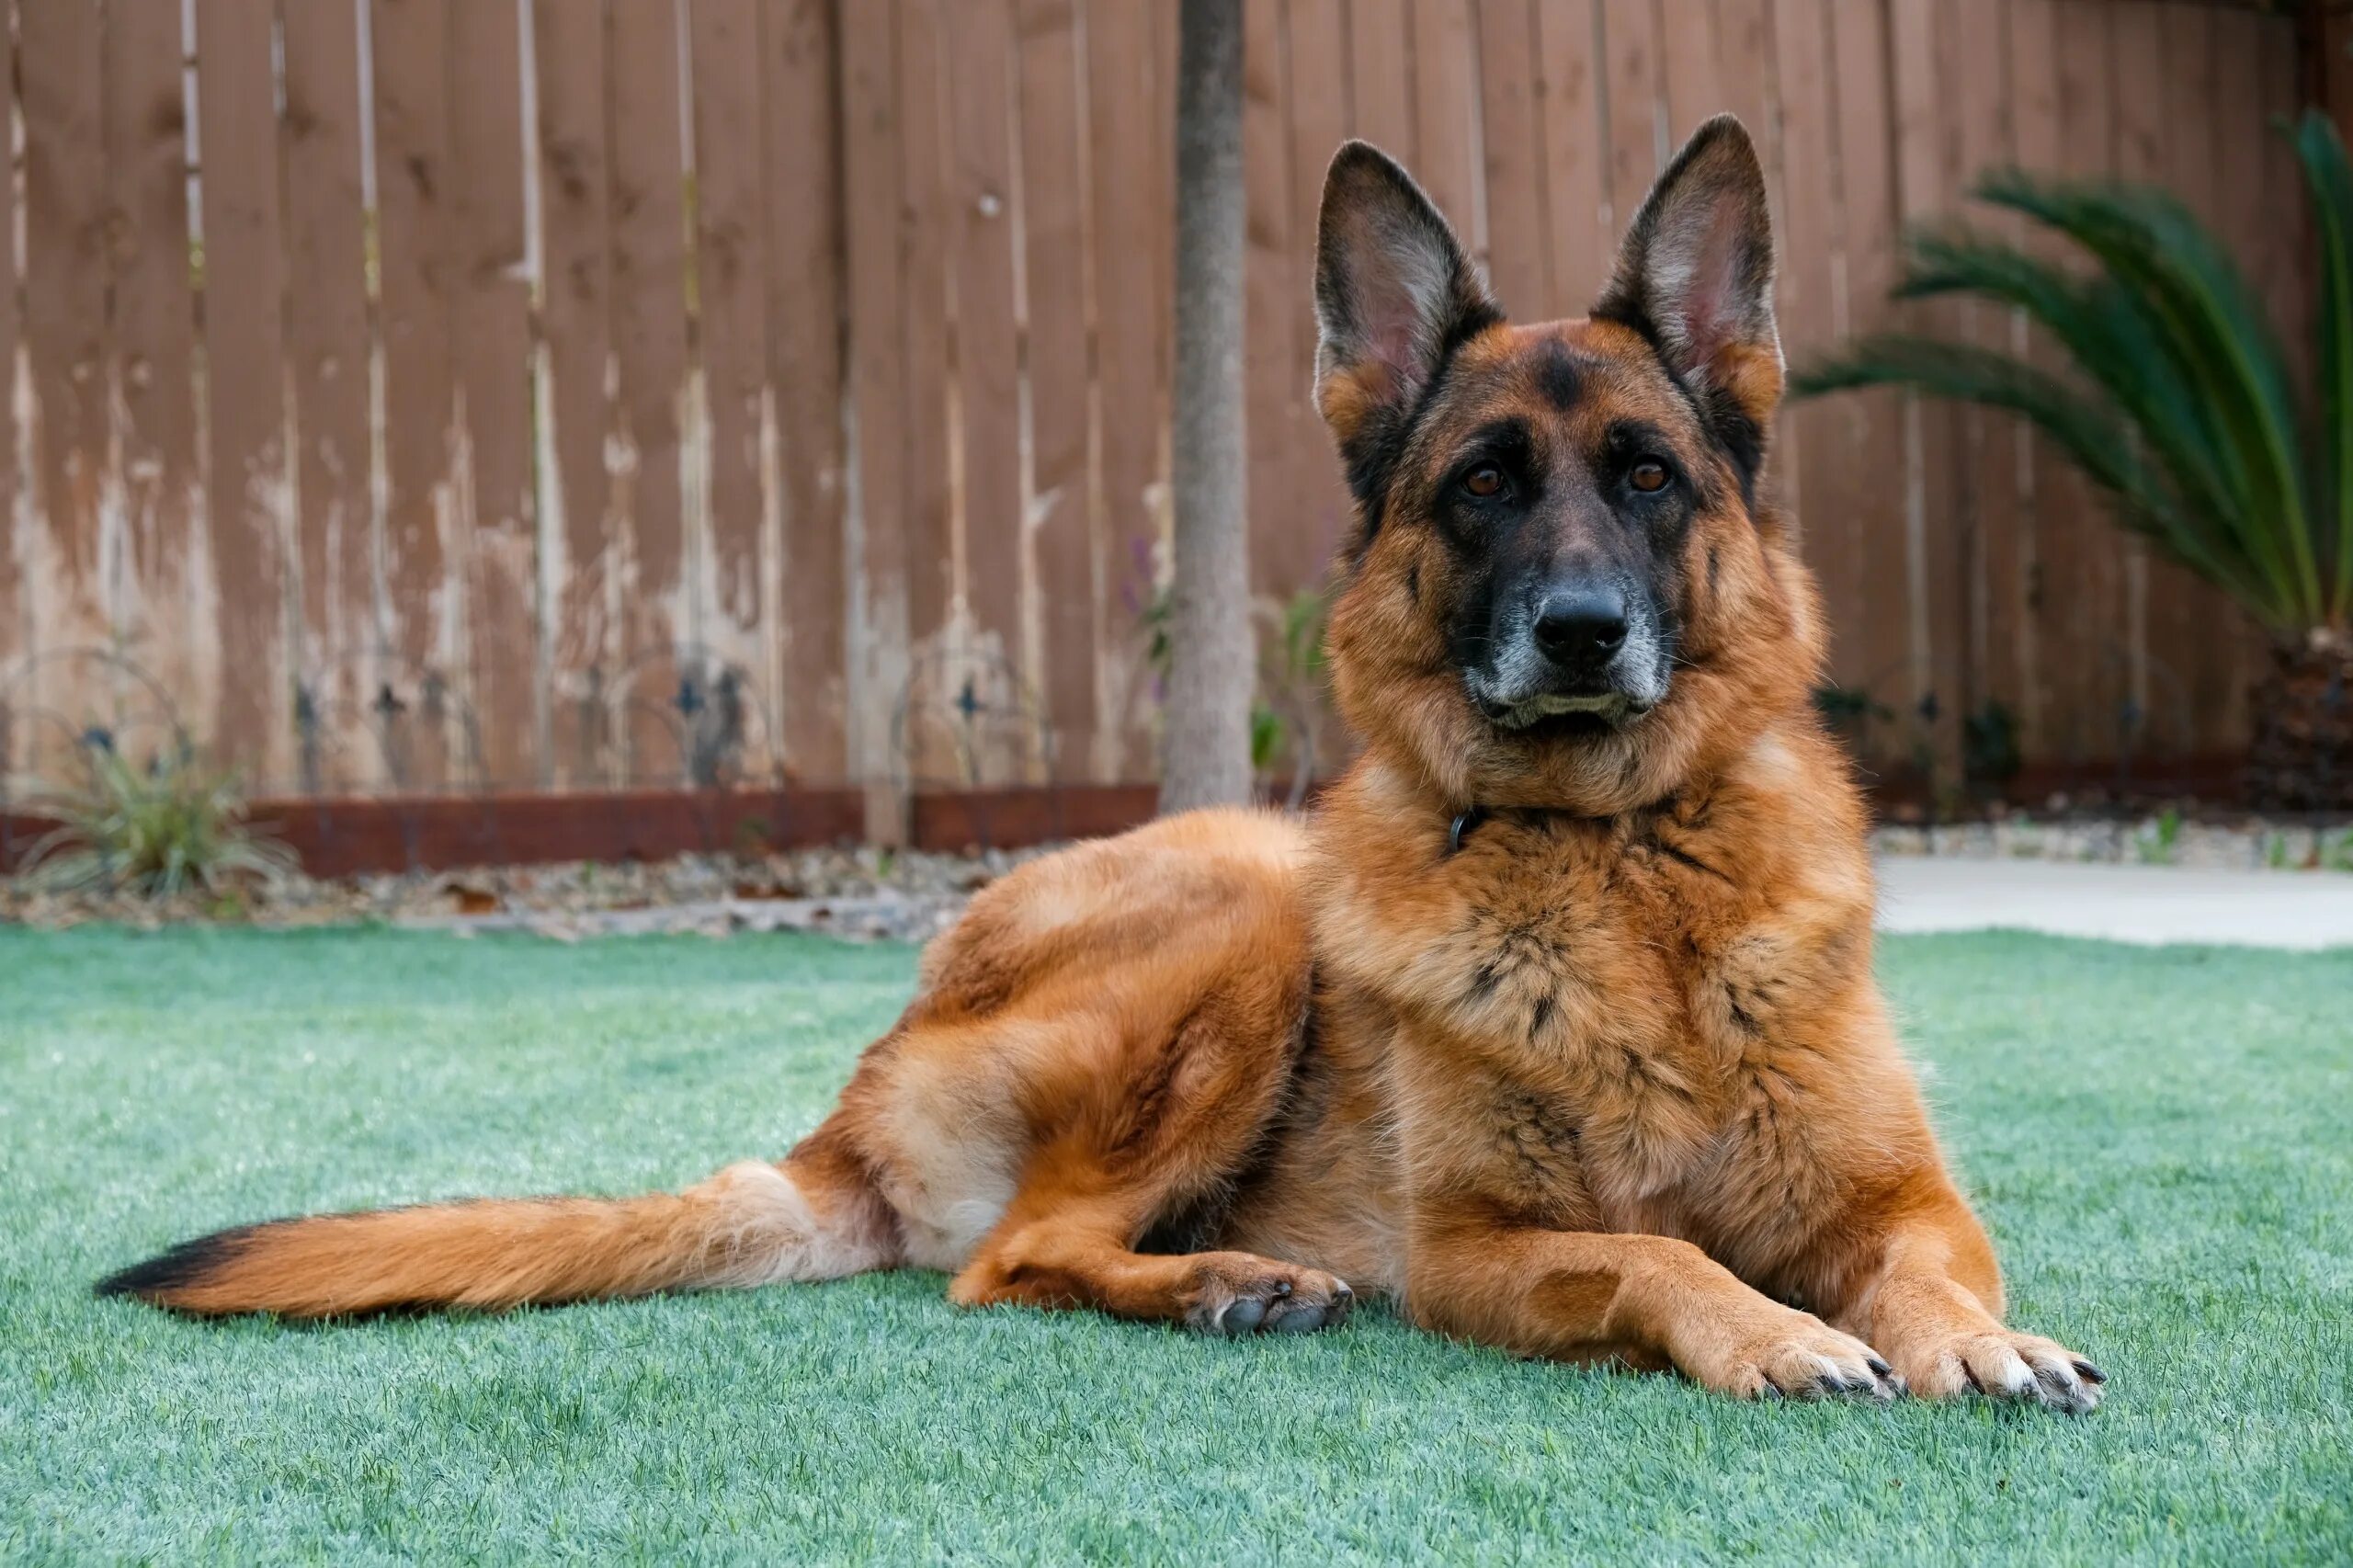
190, 1263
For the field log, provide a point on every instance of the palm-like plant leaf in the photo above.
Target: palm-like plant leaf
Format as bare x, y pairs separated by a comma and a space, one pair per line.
2180, 405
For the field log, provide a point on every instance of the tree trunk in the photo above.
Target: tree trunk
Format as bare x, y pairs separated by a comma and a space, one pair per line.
1205, 740
2302, 756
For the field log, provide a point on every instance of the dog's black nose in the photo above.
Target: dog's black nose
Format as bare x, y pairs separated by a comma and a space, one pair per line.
1581, 623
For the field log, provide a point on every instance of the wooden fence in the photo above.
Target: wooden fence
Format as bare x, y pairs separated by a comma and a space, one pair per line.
413, 394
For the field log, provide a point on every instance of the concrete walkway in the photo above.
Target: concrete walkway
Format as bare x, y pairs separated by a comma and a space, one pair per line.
2149, 905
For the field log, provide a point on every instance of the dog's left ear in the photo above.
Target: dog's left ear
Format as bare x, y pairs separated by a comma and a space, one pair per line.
1694, 276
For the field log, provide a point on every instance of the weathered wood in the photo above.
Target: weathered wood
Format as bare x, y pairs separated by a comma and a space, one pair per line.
1868, 479
1445, 113
60, 75
1060, 647
1271, 296
2034, 142
422, 715
1128, 88
15, 583
649, 348
1690, 39
578, 526
1382, 76
244, 328
924, 747
1518, 262
988, 512
1635, 95
1936, 552
738, 588
2091, 653
802, 127
2242, 138
1810, 466
1576, 154
491, 460
877, 564
942, 231
2194, 629
155, 471
1317, 505
329, 348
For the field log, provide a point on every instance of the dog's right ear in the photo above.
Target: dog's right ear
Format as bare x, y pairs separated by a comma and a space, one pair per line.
1393, 295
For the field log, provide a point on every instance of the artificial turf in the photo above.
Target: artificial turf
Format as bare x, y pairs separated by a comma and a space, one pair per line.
2162, 1142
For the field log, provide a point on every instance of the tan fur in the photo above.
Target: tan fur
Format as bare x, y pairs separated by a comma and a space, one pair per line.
1610, 1080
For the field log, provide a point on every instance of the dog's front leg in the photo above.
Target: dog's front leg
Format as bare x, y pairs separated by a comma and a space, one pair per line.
1928, 1295
1648, 1301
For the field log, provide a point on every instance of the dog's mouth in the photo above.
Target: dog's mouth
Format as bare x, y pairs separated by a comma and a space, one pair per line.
1565, 715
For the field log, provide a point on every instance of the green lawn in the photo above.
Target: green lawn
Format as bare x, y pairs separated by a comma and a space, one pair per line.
2161, 1141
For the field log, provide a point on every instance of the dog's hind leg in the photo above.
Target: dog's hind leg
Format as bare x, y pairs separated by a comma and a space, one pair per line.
1068, 1240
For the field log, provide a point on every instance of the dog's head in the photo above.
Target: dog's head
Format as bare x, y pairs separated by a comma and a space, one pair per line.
1563, 590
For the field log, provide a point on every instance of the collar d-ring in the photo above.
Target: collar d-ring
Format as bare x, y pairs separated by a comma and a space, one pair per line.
1464, 823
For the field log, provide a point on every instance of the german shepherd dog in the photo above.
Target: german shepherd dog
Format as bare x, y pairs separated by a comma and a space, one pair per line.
1555, 1024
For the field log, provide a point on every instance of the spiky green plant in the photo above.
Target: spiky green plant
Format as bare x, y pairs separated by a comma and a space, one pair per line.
159, 831
2177, 403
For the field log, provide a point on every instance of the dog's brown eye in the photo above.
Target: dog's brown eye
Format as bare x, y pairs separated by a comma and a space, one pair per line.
1649, 476
1484, 482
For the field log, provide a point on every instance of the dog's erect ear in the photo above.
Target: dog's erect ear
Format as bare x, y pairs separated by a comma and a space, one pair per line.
1393, 293
1694, 273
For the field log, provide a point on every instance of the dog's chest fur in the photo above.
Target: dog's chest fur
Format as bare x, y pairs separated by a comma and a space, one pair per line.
1594, 1020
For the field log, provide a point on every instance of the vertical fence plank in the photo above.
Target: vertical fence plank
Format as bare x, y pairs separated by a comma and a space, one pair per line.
922, 442
2241, 135
1689, 41
737, 585
1932, 578
649, 332
2034, 137
15, 605
2191, 691
60, 75
2138, 53
2088, 651
1446, 112
1575, 156
1811, 471
1986, 502
1748, 71
490, 316
1062, 545
328, 351
1317, 87
802, 127
1271, 321
980, 240
157, 474
1866, 480
1125, 92
415, 258
872, 129
1636, 102
1517, 229
1381, 74
578, 556
244, 316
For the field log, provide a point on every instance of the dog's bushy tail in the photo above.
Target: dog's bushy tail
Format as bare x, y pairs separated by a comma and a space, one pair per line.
750, 1224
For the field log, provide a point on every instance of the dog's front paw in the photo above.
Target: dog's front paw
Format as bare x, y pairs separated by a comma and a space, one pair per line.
1237, 1293
2001, 1364
1787, 1353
